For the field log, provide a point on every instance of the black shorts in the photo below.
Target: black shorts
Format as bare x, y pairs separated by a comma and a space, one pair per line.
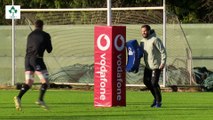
34, 64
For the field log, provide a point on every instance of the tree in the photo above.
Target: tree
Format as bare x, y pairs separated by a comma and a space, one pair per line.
206, 11
3, 21
188, 11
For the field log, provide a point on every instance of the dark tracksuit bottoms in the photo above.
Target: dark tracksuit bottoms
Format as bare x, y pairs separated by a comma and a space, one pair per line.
151, 79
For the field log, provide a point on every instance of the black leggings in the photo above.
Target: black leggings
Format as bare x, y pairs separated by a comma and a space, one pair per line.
151, 79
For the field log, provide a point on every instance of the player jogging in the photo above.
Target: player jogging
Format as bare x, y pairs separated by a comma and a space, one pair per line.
37, 42
155, 60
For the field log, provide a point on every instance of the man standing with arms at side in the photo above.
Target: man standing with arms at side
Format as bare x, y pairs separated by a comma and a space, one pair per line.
37, 42
155, 60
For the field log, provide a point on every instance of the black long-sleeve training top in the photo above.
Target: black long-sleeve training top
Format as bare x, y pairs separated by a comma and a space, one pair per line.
37, 42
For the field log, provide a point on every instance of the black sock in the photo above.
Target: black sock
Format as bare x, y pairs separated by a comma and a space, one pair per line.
42, 91
23, 90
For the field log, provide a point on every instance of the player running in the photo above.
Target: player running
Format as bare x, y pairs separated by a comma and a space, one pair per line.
37, 42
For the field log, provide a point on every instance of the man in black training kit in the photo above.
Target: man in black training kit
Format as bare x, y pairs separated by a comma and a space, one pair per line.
155, 60
37, 42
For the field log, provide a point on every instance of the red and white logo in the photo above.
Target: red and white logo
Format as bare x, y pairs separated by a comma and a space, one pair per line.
119, 45
103, 42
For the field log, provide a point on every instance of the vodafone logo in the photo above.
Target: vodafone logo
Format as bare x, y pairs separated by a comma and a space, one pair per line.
119, 47
103, 38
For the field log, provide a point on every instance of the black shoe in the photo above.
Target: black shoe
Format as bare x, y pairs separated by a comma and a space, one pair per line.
154, 103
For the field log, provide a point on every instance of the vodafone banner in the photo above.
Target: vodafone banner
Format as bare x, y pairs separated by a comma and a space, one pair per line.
109, 68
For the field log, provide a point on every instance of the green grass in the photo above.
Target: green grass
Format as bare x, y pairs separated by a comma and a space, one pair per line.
78, 105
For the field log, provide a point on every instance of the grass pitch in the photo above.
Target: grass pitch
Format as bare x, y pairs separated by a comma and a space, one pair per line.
78, 105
